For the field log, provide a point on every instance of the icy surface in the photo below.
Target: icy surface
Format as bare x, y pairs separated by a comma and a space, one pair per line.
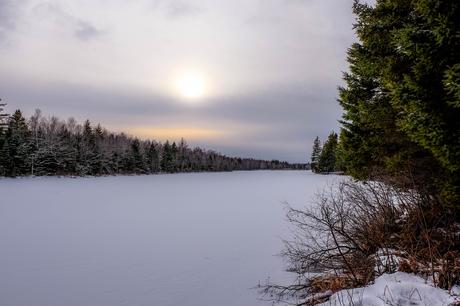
400, 289
182, 239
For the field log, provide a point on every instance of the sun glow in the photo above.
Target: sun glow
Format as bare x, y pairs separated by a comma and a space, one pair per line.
174, 133
191, 85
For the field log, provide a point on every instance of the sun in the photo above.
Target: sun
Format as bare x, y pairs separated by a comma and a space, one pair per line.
191, 85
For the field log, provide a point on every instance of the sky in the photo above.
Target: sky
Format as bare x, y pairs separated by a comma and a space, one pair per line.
250, 78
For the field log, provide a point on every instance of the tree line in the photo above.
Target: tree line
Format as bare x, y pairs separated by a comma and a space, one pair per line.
50, 146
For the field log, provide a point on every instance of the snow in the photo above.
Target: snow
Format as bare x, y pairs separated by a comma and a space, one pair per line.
394, 289
387, 260
183, 239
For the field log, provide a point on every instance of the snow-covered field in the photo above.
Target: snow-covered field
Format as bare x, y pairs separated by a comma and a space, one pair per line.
182, 239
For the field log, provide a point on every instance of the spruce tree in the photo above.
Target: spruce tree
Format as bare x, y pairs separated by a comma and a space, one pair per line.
3, 117
66, 153
327, 158
153, 158
340, 165
167, 158
174, 154
4, 154
89, 153
182, 155
137, 164
17, 146
315, 154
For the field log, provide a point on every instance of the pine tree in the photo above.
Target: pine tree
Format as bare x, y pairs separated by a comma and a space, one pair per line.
98, 133
167, 158
66, 153
153, 158
340, 165
4, 154
24, 142
327, 158
181, 155
101, 165
89, 153
3, 117
16, 146
137, 164
36, 134
174, 153
315, 154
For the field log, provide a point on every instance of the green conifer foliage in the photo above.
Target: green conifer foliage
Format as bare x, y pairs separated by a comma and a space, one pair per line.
4, 156
327, 158
315, 154
136, 157
167, 158
16, 146
153, 158
401, 99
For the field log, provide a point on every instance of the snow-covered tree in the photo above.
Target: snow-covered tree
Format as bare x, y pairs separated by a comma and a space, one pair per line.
315, 154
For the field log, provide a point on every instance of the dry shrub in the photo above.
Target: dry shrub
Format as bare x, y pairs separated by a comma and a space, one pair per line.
430, 235
410, 265
449, 273
333, 283
337, 237
356, 231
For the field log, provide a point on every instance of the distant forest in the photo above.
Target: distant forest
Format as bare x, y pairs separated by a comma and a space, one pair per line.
49, 146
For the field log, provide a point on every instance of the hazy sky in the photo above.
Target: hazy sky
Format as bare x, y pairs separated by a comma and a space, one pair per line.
268, 69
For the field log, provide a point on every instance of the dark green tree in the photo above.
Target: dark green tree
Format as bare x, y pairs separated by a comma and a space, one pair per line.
153, 158
316, 152
175, 153
89, 156
137, 163
3, 116
340, 165
181, 159
4, 154
17, 146
327, 158
167, 158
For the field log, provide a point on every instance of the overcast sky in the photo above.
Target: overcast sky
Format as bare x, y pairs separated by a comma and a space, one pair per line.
270, 68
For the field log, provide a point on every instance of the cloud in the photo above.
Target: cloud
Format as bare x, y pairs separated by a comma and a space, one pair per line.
9, 10
6, 20
85, 31
177, 8
181, 8
81, 29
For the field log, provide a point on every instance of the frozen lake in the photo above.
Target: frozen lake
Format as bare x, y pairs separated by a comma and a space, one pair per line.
162, 240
